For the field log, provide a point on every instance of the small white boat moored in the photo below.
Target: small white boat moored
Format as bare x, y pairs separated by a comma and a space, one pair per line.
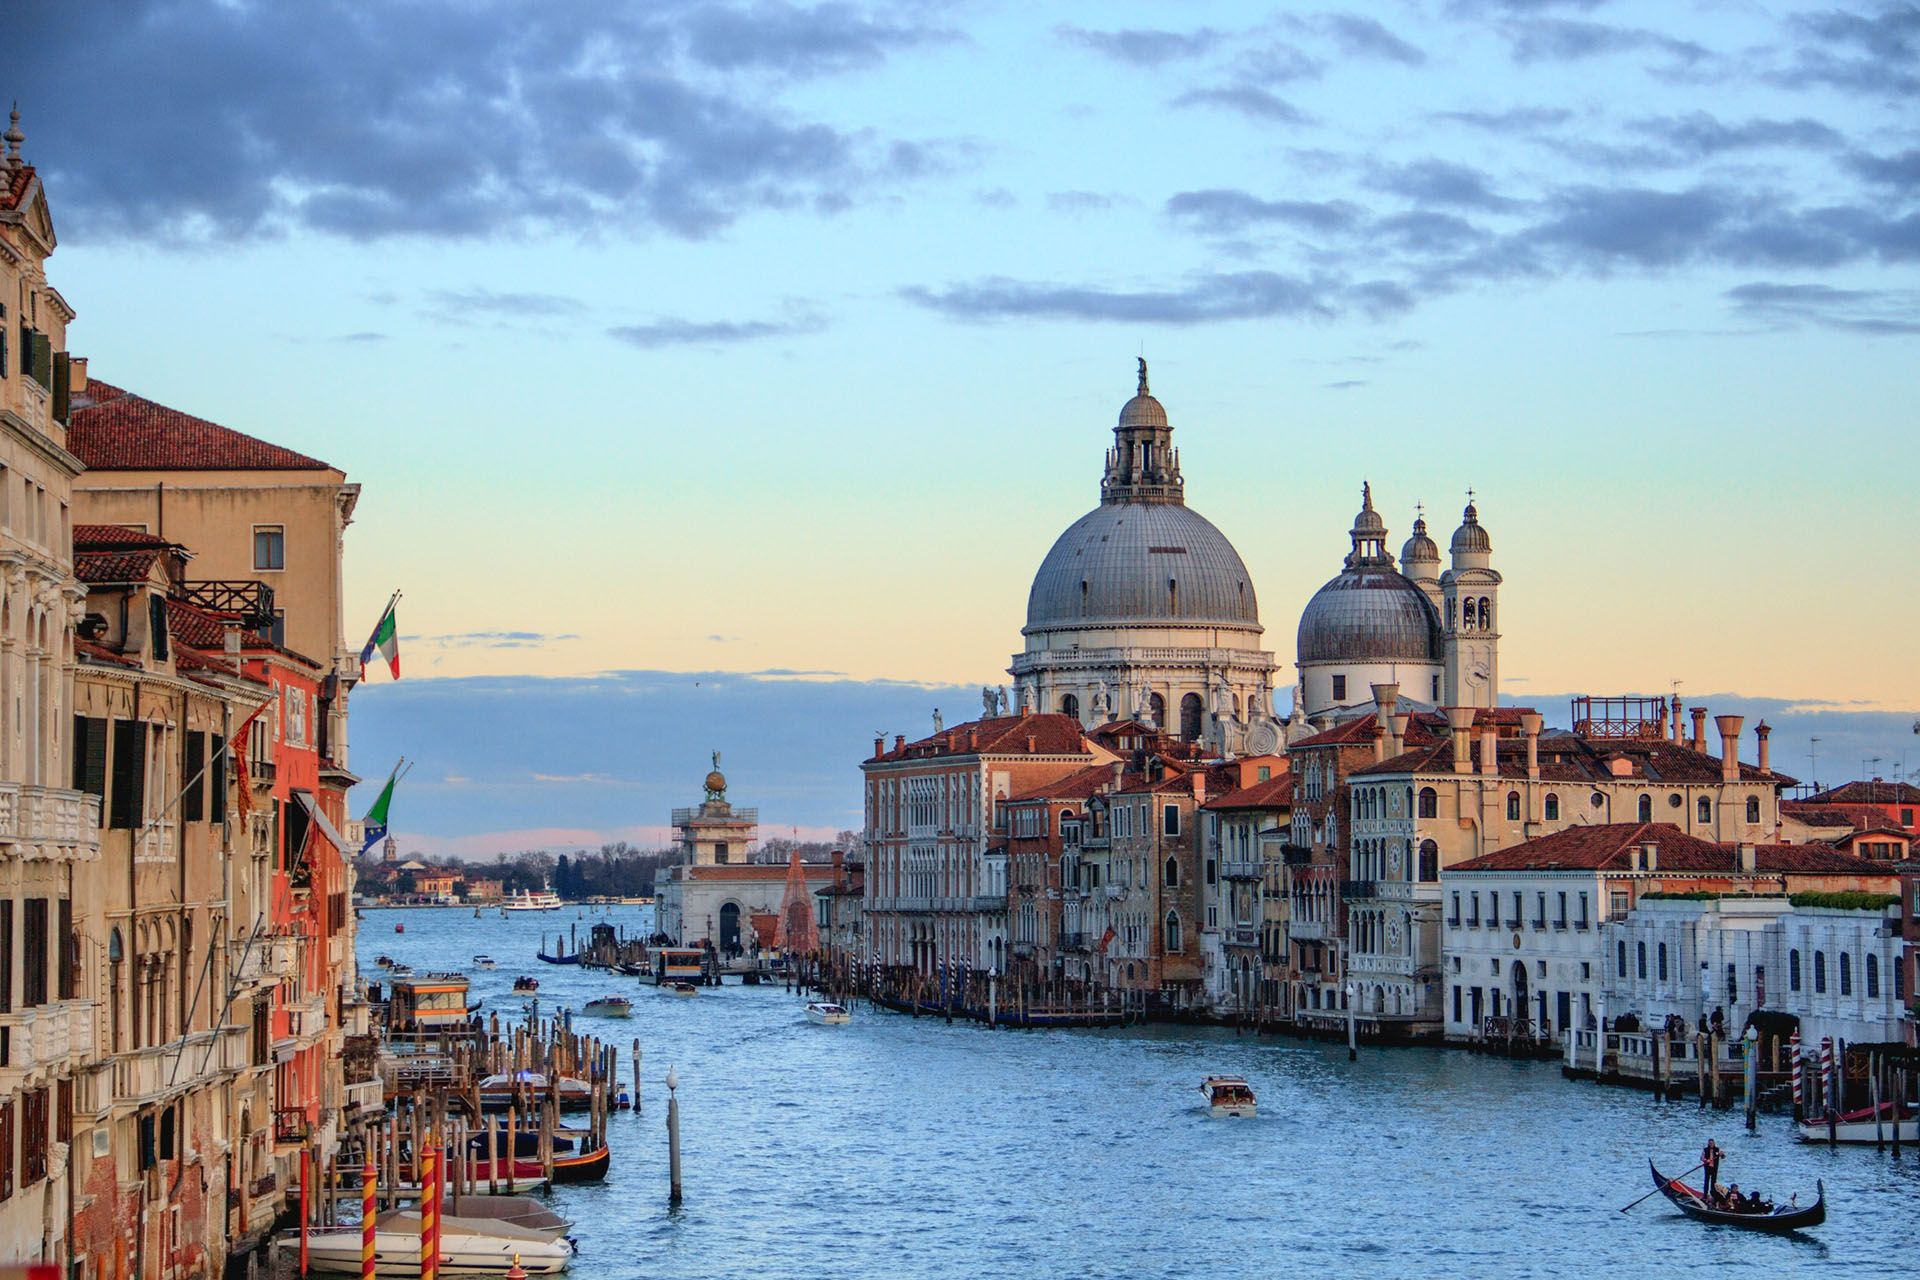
608, 1007
1228, 1096
484, 962
468, 1247
822, 1013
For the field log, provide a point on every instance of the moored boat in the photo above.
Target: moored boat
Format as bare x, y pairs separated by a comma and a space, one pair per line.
525, 983
1781, 1218
484, 962
824, 1013
468, 1247
1860, 1127
499, 1091
683, 988
1228, 1096
608, 1007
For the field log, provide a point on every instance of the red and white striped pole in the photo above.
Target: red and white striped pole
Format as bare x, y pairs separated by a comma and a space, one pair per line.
1826, 1074
430, 1214
367, 1176
1799, 1082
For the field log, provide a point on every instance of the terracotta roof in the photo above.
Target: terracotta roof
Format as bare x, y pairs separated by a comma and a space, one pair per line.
18, 183
191, 625
1078, 785
188, 658
107, 537
1609, 847
1274, 793
1564, 757
115, 430
1423, 727
100, 653
1868, 793
1052, 735
1818, 815
99, 567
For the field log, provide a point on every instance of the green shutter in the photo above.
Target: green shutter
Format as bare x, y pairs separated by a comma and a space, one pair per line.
217, 780
193, 799
40, 368
127, 803
62, 387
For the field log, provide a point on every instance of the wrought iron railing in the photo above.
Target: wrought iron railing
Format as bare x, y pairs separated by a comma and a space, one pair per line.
251, 602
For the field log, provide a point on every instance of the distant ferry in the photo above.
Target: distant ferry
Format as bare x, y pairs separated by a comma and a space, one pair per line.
545, 900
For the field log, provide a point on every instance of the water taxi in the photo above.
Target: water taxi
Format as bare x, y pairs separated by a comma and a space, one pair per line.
683, 988
1228, 1096
822, 1013
384, 962
429, 1002
522, 900
608, 1007
484, 962
677, 964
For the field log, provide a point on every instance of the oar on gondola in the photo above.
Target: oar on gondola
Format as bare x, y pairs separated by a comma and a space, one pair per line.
1781, 1219
1656, 1191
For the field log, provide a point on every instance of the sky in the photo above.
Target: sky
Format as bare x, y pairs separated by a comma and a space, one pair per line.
691, 339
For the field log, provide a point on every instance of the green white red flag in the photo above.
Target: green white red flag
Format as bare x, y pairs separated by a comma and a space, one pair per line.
385, 638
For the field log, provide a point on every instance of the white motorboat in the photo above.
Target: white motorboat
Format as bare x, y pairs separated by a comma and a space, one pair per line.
1858, 1127
822, 1013
608, 1007
484, 962
1228, 1096
545, 900
468, 1247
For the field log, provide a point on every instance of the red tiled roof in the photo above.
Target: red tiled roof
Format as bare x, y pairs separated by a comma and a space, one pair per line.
1274, 793
105, 537
192, 625
114, 430
1609, 847
1868, 793
188, 658
100, 653
99, 567
18, 181
1052, 735
1079, 785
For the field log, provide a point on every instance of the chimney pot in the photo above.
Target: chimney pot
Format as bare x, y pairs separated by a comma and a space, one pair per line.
1398, 741
1764, 732
1729, 727
899, 741
1699, 728
1459, 726
879, 746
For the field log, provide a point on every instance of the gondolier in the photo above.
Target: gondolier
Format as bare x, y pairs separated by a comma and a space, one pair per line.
1710, 1157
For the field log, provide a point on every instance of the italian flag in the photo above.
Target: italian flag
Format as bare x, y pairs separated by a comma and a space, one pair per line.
386, 639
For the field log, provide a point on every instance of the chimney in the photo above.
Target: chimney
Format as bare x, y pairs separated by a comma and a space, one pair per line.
1199, 777
1746, 862
1649, 856
1699, 715
1459, 726
1489, 751
879, 745
1401, 719
1119, 771
1729, 727
899, 742
76, 374
1764, 732
839, 868
1664, 713
1530, 725
1031, 741
1678, 707
230, 642
1384, 698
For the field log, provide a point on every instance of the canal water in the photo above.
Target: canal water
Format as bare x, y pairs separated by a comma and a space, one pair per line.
899, 1147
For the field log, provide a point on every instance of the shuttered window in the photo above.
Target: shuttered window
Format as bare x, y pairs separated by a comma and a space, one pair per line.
6, 1148
40, 358
90, 755
297, 823
217, 779
35, 1115
33, 953
193, 800
157, 626
69, 943
128, 801
6, 956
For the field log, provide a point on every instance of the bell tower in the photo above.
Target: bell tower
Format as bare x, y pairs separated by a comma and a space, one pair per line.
1470, 616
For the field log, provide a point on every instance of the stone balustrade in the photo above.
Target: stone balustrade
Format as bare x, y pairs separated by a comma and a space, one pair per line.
46, 822
45, 1038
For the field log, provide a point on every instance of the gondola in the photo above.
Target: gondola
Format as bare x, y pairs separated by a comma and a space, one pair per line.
572, 959
1783, 1218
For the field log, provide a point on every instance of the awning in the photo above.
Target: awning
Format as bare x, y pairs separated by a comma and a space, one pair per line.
307, 802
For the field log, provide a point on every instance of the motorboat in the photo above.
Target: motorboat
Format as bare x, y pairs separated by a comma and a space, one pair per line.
1777, 1219
522, 900
383, 962
469, 1246
683, 988
401, 970
1863, 1126
822, 1013
608, 1007
525, 983
484, 962
1229, 1097
575, 1157
498, 1092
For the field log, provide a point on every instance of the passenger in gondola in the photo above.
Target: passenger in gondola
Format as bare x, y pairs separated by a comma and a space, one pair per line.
1733, 1201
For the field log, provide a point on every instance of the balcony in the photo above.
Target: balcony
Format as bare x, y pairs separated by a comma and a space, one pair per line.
141, 1076
1299, 930
267, 960
1075, 941
1023, 950
307, 1019
1236, 870
986, 902
366, 1097
914, 904
252, 601
1359, 890
45, 1038
50, 817
1115, 892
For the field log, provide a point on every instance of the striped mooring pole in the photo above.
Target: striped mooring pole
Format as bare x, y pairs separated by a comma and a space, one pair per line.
430, 1214
1799, 1078
367, 1215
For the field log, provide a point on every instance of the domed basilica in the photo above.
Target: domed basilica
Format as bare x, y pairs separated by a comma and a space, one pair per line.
1143, 610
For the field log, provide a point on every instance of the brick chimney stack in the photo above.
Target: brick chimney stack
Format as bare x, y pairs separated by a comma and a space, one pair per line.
1729, 727
1764, 732
1530, 725
1699, 728
1460, 727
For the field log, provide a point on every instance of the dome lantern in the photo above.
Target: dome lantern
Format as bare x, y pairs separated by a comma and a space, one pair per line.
1471, 539
1143, 465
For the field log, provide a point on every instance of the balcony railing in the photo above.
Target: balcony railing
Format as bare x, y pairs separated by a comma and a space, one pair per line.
46, 1037
366, 1096
1352, 890
987, 902
1239, 870
251, 601
1074, 941
51, 816
1115, 892
1242, 935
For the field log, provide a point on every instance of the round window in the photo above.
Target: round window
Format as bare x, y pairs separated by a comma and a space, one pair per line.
1598, 800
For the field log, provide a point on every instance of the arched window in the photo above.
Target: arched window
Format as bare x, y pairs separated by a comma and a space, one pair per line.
1753, 810
1069, 705
1429, 861
1157, 708
1819, 973
1640, 956
1486, 613
1513, 806
1703, 808
1429, 803
1793, 969
1620, 967
1173, 873
1660, 958
1553, 807
1172, 931
1646, 808
1873, 976
1846, 974
1191, 710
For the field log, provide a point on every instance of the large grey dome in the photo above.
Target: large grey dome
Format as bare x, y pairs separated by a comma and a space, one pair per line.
1141, 563
1370, 613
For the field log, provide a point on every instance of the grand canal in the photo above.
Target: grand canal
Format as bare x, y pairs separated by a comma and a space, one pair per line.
899, 1147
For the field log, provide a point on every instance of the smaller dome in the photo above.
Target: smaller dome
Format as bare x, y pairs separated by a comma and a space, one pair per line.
716, 781
1143, 411
1420, 549
1470, 538
1368, 521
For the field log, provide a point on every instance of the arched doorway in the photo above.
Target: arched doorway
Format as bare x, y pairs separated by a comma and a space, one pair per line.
1070, 706
1519, 992
1157, 709
729, 926
1190, 713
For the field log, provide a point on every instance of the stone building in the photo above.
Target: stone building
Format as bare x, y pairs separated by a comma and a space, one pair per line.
1240, 938
51, 1064
1143, 610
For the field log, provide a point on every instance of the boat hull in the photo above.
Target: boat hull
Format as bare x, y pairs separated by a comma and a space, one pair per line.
1779, 1222
397, 1253
1246, 1112
1860, 1131
828, 1017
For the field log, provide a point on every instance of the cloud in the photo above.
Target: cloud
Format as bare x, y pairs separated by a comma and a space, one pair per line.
1362, 37
444, 119
1699, 134
1080, 201
1901, 170
462, 304
1439, 182
677, 332
1868, 311
1225, 211
1874, 53
1256, 104
1512, 120
1141, 47
1346, 384
492, 639
595, 779
1243, 295
1572, 40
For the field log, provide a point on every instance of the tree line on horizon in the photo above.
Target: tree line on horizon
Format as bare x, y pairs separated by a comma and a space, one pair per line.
619, 869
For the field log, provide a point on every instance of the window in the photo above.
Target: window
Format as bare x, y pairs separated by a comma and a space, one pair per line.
1456, 1004
1513, 806
1660, 956
1172, 873
33, 952
1435, 696
6, 1145
269, 547
1513, 921
1704, 809
1733, 984
1641, 950
127, 803
1213, 873
1873, 976
1429, 862
90, 755
217, 779
1540, 911
1429, 802
1453, 915
1553, 807
1819, 973
193, 798
67, 975
157, 627
1473, 910
1339, 688
1172, 931
1581, 922
1846, 974
1560, 917
34, 1135
6, 977
1646, 808
1618, 903
1793, 970
1170, 821
1753, 809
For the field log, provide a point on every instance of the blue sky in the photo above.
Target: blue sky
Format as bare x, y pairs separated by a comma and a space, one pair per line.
701, 336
